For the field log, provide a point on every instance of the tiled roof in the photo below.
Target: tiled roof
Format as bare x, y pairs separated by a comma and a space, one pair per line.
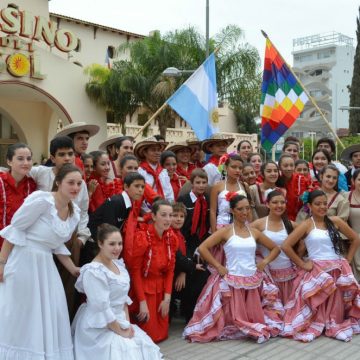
88, 23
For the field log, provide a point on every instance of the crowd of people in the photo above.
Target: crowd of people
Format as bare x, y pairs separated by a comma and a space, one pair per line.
119, 241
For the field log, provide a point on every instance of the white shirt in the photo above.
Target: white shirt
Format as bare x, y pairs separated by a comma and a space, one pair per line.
213, 173
44, 178
164, 180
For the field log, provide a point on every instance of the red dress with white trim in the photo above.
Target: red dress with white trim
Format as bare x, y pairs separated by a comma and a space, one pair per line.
12, 197
103, 191
239, 305
152, 272
327, 298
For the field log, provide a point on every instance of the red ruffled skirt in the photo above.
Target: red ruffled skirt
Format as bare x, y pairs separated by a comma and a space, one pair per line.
325, 298
236, 307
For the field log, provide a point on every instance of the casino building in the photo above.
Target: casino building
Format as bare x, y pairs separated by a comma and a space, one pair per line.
42, 80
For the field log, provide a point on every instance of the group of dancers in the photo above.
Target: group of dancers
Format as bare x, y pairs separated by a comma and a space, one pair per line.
143, 232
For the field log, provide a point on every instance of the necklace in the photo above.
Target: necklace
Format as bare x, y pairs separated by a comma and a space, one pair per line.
355, 197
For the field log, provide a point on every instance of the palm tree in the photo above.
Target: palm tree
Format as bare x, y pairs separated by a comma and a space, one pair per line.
139, 80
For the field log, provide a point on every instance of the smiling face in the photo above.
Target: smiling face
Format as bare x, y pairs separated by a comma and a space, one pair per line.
277, 205
318, 206
102, 166
152, 154
219, 148
244, 150
302, 169
248, 175
129, 166
21, 162
126, 148
292, 150
241, 210
320, 160
271, 173
183, 155
329, 179
170, 165
112, 246
287, 167
199, 185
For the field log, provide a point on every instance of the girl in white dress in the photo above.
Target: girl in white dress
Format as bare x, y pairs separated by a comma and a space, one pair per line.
101, 327
33, 312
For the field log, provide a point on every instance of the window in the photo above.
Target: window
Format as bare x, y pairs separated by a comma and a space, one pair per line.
111, 52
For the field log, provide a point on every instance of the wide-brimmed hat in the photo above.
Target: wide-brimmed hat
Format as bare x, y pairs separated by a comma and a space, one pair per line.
78, 126
141, 146
193, 141
113, 140
178, 146
347, 153
216, 138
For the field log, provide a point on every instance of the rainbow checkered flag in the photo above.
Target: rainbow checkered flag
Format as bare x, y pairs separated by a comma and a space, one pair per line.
282, 100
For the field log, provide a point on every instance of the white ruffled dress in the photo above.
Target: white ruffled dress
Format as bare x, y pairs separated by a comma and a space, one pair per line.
107, 295
34, 321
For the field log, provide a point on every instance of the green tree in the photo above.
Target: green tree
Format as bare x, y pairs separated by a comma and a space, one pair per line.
140, 80
354, 119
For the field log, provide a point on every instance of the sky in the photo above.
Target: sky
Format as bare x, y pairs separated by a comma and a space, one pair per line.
282, 20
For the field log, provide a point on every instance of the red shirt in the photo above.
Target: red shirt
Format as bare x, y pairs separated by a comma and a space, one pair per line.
160, 266
12, 196
176, 184
294, 188
103, 191
185, 172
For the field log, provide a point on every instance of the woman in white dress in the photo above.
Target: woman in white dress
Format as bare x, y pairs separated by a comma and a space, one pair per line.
101, 328
33, 312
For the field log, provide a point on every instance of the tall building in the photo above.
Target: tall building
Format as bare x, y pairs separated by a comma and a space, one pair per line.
324, 64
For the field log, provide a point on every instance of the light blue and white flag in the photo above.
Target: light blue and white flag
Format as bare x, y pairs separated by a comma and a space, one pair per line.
196, 100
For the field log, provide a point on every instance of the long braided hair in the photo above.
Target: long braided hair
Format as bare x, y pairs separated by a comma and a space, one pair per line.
287, 223
331, 228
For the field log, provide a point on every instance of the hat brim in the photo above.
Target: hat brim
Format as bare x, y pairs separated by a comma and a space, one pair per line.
111, 141
91, 129
347, 153
141, 147
207, 143
176, 148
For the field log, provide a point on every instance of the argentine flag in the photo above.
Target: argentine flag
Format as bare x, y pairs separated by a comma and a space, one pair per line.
196, 100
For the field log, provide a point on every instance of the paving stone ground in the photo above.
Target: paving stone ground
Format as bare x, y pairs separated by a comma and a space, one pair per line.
323, 348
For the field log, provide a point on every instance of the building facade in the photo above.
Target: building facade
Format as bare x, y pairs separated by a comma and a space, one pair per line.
42, 81
324, 64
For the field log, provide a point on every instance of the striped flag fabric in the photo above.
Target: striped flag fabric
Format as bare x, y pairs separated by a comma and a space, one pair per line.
196, 100
282, 100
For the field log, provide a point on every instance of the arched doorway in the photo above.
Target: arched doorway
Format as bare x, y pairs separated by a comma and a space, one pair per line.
28, 114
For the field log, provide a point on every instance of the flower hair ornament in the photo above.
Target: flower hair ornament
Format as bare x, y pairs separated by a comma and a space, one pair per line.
223, 160
232, 194
304, 197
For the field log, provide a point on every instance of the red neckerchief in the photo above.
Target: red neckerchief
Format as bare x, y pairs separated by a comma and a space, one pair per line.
185, 172
155, 174
200, 210
182, 243
176, 184
214, 160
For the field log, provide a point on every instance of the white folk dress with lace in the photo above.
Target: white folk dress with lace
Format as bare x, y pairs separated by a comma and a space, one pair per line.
34, 322
107, 295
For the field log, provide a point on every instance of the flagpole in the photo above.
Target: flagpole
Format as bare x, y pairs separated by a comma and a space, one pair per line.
306, 92
156, 113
